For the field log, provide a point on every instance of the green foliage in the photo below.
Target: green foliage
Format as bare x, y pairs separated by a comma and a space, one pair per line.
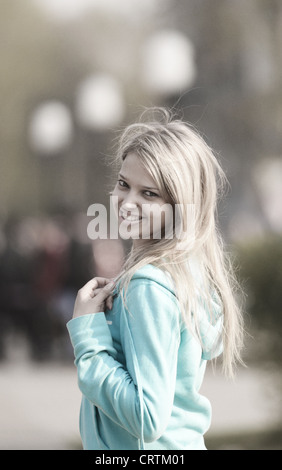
260, 273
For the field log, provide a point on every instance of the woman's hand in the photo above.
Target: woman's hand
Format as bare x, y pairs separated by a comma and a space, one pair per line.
94, 297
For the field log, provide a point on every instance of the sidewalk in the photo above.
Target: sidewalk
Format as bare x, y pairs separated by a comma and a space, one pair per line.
39, 404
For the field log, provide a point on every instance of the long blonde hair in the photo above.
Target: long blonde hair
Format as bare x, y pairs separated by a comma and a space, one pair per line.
188, 174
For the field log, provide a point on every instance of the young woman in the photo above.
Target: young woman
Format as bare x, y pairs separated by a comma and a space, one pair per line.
141, 344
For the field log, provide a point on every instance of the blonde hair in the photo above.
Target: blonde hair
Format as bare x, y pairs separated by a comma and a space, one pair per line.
187, 173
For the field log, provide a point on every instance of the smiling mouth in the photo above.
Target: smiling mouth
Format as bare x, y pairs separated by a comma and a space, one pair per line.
129, 218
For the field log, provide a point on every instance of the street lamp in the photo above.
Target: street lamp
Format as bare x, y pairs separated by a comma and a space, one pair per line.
51, 128
99, 103
50, 134
99, 108
168, 63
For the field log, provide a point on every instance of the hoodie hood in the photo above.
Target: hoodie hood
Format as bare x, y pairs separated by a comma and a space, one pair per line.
210, 325
209, 321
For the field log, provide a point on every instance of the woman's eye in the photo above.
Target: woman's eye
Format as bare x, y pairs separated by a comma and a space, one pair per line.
150, 194
123, 184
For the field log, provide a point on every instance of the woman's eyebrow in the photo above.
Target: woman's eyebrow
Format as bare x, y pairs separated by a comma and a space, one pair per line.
146, 187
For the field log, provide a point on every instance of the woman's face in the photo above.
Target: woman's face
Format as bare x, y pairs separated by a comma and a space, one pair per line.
142, 212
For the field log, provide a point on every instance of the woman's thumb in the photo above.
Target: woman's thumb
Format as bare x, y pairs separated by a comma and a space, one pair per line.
105, 292
109, 286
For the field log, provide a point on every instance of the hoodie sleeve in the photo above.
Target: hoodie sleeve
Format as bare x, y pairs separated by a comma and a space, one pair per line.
138, 395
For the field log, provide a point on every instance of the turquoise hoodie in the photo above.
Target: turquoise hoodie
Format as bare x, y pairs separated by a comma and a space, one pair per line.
140, 370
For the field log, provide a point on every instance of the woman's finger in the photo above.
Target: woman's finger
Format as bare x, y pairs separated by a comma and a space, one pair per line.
91, 298
109, 302
109, 299
104, 293
94, 292
100, 282
96, 282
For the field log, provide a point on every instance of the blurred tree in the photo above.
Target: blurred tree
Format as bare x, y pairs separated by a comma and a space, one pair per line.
43, 60
34, 67
260, 272
237, 99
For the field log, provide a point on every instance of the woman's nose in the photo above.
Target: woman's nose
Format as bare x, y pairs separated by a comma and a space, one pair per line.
129, 207
130, 200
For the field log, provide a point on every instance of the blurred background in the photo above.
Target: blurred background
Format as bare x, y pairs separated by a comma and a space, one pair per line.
73, 74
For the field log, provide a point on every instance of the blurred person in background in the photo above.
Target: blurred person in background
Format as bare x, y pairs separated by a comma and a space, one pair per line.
43, 264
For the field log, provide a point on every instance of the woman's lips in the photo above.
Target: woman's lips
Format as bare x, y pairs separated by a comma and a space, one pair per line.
129, 218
